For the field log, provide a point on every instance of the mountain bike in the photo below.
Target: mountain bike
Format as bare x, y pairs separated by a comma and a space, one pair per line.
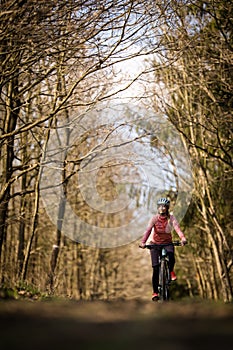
164, 273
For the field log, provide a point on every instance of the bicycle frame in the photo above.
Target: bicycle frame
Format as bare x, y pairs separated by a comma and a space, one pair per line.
164, 273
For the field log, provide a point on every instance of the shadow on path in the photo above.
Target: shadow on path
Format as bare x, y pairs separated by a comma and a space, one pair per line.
114, 325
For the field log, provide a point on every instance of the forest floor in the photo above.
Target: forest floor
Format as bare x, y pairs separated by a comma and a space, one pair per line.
119, 324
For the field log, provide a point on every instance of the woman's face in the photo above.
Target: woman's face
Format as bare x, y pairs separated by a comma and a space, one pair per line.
162, 209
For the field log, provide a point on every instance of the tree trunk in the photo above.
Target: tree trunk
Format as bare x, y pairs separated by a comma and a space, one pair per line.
12, 106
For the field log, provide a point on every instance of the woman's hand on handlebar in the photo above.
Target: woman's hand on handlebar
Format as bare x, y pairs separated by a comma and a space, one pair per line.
142, 245
183, 241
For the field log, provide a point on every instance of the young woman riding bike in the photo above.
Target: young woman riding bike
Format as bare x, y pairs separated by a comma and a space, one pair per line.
162, 224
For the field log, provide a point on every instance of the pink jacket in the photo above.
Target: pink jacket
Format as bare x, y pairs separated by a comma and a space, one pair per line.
162, 226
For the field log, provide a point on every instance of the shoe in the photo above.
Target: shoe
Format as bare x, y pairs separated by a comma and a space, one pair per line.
173, 276
155, 296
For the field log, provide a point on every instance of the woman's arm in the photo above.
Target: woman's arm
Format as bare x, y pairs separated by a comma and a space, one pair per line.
178, 230
147, 233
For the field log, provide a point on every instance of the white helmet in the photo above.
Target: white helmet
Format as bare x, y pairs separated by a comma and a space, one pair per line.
163, 201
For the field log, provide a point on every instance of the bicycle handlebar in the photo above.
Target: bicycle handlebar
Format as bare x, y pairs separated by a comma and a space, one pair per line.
154, 245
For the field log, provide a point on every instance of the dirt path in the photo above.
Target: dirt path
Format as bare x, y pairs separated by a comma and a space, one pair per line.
115, 325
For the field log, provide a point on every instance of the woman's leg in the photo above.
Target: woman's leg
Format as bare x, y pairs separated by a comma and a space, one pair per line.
171, 256
172, 261
155, 265
155, 278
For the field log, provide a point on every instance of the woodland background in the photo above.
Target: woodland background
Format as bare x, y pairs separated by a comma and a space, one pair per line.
61, 58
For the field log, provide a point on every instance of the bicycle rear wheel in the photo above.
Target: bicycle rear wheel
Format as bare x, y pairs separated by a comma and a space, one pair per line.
164, 281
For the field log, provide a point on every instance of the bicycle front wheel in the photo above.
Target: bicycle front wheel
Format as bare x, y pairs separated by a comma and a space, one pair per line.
164, 281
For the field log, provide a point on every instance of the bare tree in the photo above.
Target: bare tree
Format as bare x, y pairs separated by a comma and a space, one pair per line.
57, 60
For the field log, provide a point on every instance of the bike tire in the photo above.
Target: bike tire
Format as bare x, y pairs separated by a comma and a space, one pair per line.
164, 281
